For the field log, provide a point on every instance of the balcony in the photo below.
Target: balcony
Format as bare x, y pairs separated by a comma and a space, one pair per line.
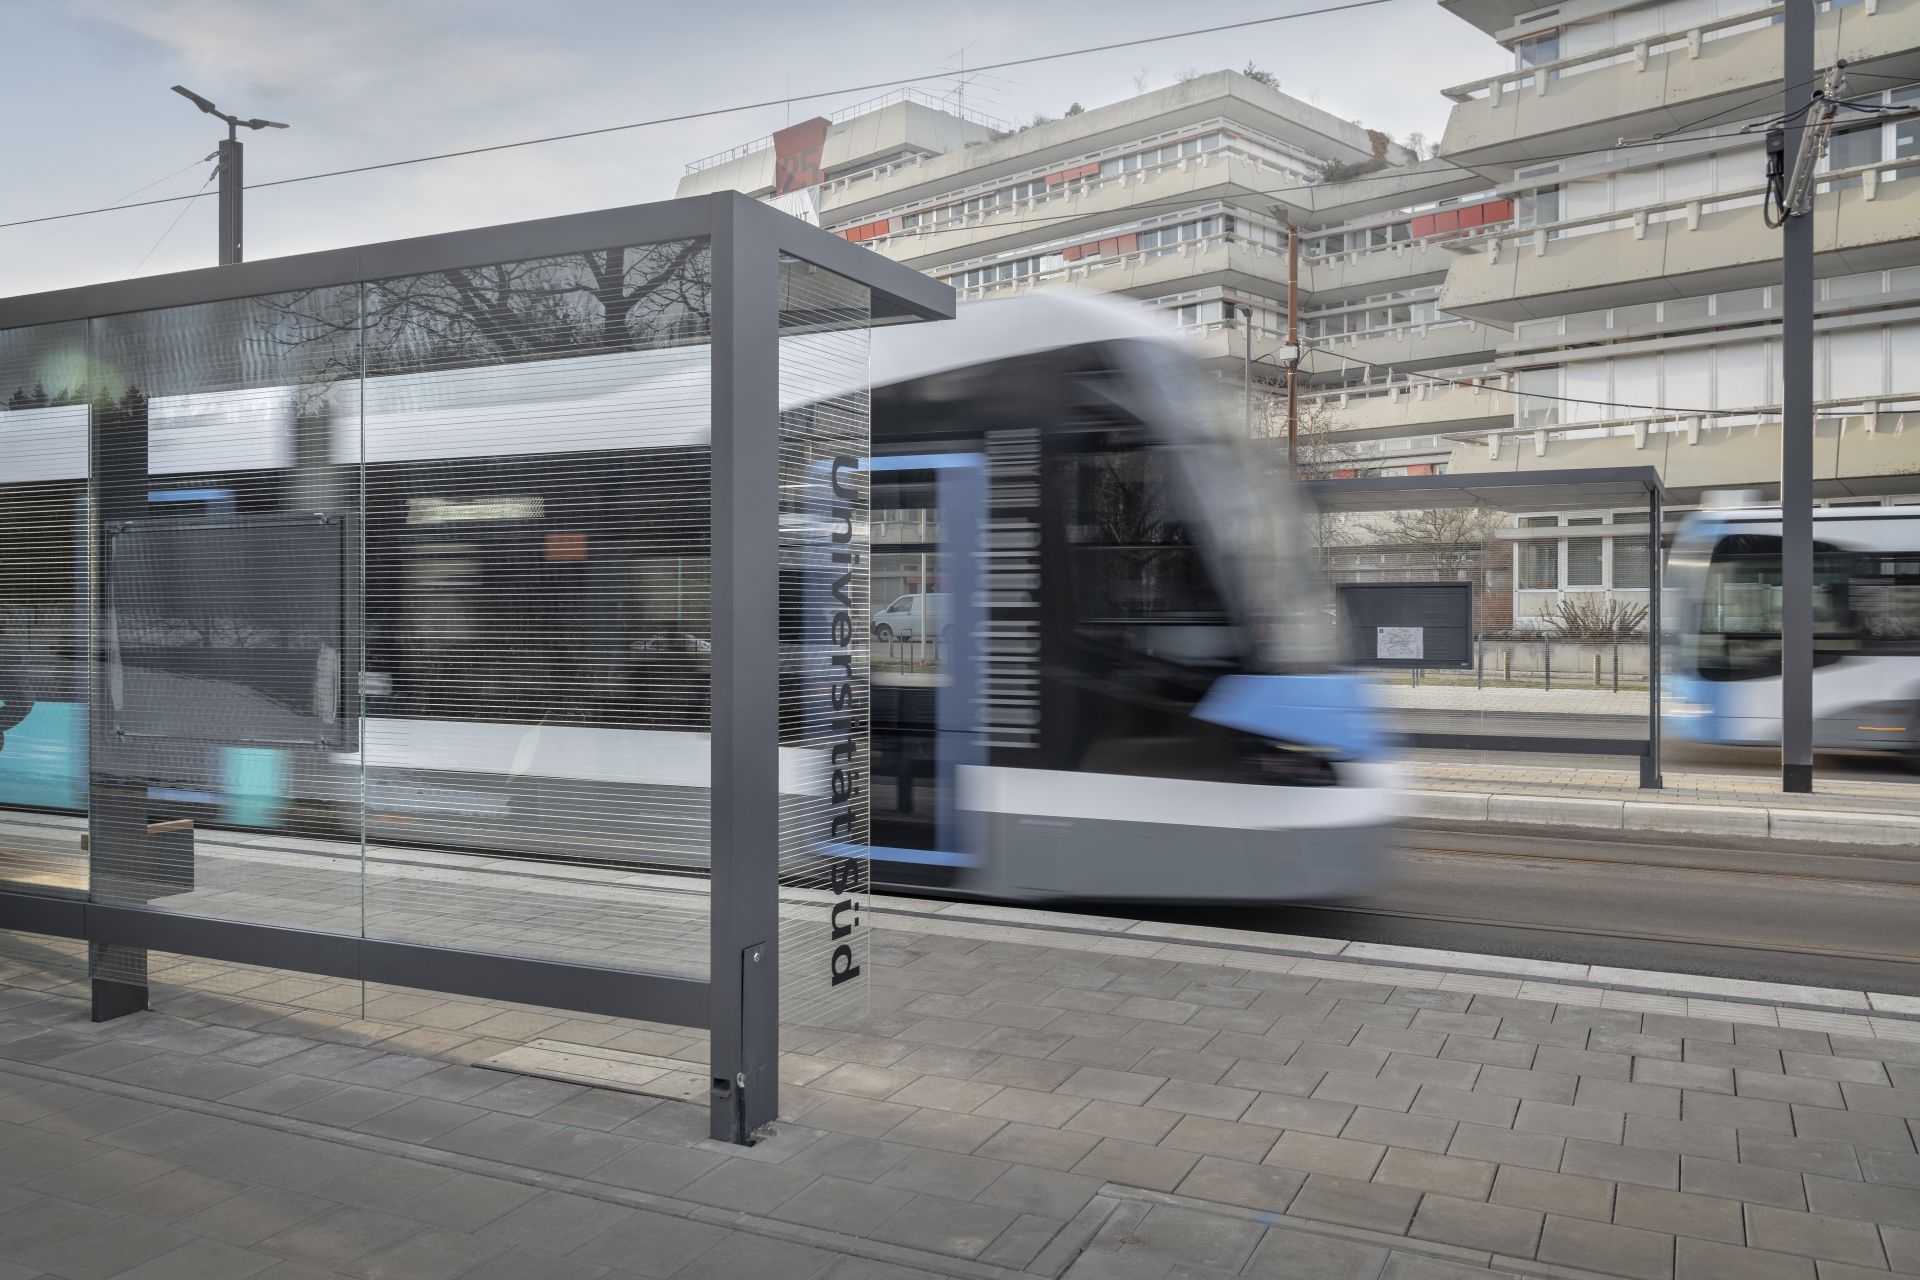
1197, 264
1408, 406
1444, 343
1855, 453
1358, 273
1680, 248
1088, 208
1670, 82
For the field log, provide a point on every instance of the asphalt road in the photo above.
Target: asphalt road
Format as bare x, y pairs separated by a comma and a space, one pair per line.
1811, 915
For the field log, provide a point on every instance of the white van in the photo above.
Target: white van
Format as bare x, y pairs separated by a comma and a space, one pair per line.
922, 614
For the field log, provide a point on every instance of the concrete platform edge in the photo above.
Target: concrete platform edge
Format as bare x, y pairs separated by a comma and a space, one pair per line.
1665, 817
1875, 1013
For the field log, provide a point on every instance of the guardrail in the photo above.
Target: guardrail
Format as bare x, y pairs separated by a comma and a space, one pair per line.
1065, 192
1653, 423
1690, 209
1081, 270
1495, 88
1487, 378
1399, 247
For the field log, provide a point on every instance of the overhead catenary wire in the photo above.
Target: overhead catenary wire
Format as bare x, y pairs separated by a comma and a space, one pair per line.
710, 112
155, 246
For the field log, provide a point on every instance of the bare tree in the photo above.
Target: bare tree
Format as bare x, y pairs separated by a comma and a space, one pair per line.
1322, 450
1451, 540
603, 300
1417, 143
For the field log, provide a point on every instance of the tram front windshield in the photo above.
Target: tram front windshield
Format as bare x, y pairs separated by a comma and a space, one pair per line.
1257, 521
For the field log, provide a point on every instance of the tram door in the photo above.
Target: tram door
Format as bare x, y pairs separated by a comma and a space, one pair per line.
926, 518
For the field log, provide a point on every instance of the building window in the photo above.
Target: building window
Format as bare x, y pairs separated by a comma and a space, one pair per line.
1537, 388
1630, 551
1539, 567
1586, 556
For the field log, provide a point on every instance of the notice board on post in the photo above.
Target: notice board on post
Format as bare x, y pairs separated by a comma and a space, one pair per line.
1407, 625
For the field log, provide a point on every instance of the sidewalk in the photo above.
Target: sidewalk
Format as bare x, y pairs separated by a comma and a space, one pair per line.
1030, 1094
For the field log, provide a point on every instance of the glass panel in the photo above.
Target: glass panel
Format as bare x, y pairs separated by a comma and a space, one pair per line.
43, 606
1687, 380
1852, 147
1539, 560
1857, 286
1739, 376
224, 496
824, 641
1884, 594
1630, 551
1584, 556
1738, 633
1141, 584
1856, 360
1535, 386
538, 619
908, 593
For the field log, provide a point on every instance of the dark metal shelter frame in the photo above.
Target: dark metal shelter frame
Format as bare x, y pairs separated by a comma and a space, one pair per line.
1576, 488
739, 1004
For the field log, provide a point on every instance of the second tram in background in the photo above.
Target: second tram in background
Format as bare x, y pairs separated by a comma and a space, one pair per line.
1724, 587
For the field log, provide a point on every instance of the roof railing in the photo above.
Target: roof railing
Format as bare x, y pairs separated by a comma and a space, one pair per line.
845, 114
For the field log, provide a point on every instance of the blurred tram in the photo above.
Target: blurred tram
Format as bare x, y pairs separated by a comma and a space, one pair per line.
1724, 587
1129, 695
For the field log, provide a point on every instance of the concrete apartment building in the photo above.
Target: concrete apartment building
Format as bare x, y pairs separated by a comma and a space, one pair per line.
1538, 297
1178, 198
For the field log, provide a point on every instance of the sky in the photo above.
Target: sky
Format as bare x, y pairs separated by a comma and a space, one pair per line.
366, 81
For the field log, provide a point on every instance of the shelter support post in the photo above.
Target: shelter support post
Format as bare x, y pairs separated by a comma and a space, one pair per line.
1796, 429
745, 782
1650, 778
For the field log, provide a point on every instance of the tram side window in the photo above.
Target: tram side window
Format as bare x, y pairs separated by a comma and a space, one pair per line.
1739, 626
1140, 581
1883, 592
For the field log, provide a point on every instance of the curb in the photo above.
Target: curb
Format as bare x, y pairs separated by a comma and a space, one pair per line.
1652, 817
1851, 1012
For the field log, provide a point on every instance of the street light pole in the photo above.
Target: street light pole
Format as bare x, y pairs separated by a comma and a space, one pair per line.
1293, 345
232, 171
1246, 322
232, 182
1796, 409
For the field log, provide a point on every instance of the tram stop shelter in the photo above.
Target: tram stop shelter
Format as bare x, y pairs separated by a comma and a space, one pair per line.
484, 613
1472, 721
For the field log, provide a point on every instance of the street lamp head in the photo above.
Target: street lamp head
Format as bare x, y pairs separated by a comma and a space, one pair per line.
257, 123
196, 100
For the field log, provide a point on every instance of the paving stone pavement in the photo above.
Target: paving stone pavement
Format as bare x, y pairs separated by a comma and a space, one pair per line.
1017, 1100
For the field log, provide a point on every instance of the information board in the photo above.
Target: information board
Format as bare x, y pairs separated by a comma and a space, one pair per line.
1426, 625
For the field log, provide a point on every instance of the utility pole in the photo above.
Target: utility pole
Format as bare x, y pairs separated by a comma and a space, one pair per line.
1293, 347
1793, 150
231, 170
